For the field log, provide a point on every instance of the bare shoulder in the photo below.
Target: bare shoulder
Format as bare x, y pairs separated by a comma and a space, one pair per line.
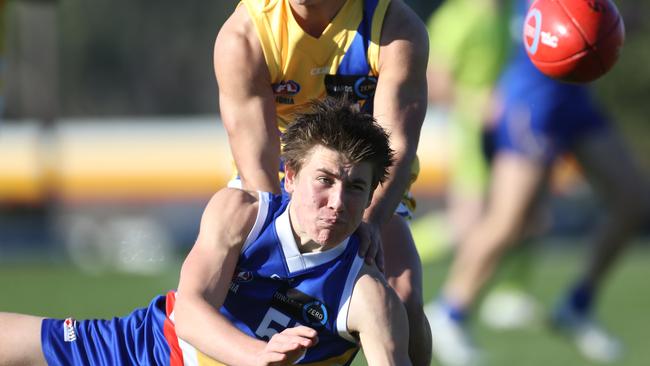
401, 21
374, 303
371, 284
230, 213
238, 29
234, 200
237, 46
403, 31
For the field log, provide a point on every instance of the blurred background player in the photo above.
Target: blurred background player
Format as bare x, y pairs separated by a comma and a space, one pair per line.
536, 119
465, 60
271, 58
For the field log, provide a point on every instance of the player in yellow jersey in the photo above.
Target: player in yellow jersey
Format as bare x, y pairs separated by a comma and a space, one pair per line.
272, 56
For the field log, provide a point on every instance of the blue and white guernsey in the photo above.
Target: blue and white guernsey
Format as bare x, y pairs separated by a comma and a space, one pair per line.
276, 287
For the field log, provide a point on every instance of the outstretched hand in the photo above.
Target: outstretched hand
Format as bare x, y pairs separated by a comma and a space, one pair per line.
370, 247
288, 346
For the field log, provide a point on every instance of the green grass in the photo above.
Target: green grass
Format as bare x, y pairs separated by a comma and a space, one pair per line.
624, 305
59, 291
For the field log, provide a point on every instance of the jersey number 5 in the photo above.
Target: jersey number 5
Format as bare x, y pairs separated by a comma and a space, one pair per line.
272, 317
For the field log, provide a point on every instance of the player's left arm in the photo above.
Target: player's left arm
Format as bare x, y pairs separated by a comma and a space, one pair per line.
377, 315
400, 102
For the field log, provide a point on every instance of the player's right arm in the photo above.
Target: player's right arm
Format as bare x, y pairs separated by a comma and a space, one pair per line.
204, 282
247, 104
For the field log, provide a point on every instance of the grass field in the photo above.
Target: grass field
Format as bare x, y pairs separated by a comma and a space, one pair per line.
60, 291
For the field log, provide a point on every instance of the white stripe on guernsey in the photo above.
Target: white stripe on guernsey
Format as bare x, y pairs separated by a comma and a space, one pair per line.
188, 351
297, 261
262, 212
235, 183
190, 357
344, 308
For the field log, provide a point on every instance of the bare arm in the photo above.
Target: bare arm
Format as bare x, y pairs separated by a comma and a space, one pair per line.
246, 103
379, 317
204, 282
205, 277
400, 101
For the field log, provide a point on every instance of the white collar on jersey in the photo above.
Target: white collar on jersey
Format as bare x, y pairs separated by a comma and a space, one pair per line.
297, 261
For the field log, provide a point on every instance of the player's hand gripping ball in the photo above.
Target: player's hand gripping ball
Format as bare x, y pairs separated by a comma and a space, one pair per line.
573, 40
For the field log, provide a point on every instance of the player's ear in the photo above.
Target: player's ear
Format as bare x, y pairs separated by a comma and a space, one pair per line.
289, 178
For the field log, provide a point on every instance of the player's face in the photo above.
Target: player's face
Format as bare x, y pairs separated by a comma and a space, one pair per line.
328, 197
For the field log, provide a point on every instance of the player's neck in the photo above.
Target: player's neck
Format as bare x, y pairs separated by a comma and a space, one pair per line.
309, 247
313, 18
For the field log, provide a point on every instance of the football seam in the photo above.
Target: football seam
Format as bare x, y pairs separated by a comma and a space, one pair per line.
574, 22
589, 46
574, 56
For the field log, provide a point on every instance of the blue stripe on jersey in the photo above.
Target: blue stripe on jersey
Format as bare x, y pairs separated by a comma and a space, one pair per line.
137, 339
355, 61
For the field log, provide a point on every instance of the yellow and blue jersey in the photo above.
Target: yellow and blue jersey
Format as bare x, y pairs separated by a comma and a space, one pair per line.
343, 60
274, 287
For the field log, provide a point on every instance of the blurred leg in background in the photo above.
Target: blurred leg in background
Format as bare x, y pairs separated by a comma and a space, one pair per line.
623, 188
540, 119
465, 61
